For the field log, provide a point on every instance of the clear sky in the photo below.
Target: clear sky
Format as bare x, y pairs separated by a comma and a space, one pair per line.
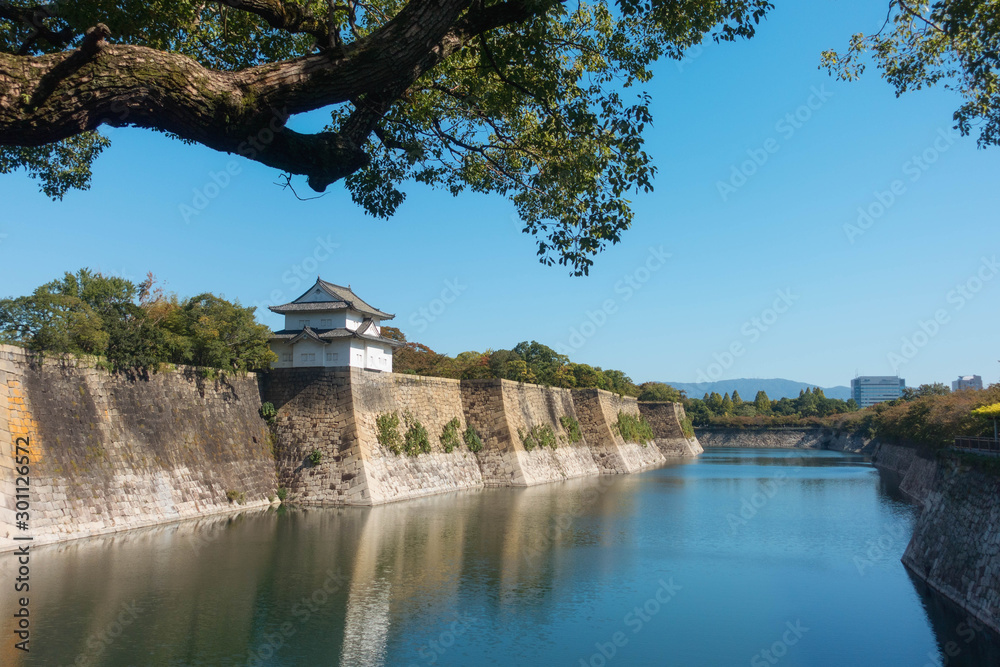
912, 286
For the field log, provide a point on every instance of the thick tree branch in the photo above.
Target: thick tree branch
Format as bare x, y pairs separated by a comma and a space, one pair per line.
45, 99
286, 16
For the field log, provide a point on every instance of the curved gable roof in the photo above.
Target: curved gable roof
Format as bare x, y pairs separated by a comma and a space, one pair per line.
340, 297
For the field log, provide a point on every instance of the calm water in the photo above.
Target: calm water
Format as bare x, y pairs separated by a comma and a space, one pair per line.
708, 562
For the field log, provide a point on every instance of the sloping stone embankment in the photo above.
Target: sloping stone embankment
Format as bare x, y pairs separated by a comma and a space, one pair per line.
110, 453
801, 438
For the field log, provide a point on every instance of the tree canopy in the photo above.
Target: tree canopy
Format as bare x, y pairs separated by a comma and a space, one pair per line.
955, 43
525, 362
538, 100
134, 326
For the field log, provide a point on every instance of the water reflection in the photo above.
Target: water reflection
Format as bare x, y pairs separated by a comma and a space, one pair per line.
504, 576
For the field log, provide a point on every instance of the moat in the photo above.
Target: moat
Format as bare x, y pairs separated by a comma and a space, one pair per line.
737, 557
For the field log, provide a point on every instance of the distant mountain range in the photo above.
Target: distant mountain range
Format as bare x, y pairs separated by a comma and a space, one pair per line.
748, 387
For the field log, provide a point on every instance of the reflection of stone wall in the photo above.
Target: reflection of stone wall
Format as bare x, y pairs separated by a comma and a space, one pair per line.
109, 453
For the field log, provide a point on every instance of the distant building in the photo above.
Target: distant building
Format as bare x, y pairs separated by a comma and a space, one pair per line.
330, 325
967, 382
868, 390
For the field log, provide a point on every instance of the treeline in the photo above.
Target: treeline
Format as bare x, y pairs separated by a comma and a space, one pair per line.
929, 416
134, 327
525, 362
733, 412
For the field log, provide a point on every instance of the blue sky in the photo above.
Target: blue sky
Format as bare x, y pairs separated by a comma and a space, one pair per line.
910, 288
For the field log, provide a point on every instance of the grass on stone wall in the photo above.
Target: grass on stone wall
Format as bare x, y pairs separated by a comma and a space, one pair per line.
236, 496
687, 428
449, 435
572, 426
387, 432
472, 440
634, 428
538, 436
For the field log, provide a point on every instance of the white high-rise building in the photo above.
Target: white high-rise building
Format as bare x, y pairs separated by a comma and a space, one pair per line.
868, 390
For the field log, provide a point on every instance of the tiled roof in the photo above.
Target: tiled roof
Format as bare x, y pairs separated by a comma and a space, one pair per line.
323, 335
343, 297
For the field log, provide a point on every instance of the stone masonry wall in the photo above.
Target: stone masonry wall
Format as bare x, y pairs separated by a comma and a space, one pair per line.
316, 412
110, 453
665, 418
485, 412
531, 405
431, 401
955, 546
636, 456
598, 413
799, 438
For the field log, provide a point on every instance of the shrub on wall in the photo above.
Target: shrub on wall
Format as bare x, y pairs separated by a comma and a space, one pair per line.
449, 435
387, 432
687, 428
538, 436
472, 440
236, 496
634, 428
268, 412
315, 457
282, 494
572, 427
415, 441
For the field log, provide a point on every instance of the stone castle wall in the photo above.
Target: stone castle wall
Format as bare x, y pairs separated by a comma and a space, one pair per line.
530, 406
799, 438
666, 419
110, 453
431, 401
955, 545
335, 413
